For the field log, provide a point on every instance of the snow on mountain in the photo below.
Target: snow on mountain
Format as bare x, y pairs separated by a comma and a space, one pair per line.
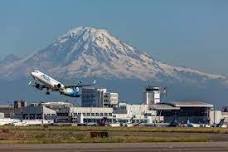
91, 52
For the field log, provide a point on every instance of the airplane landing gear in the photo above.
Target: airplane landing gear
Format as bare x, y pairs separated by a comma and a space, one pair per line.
47, 93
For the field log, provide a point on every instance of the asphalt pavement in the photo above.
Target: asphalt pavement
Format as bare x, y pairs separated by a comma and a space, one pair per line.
117, 147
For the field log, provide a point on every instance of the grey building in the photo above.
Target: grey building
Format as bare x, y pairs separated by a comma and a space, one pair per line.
110, 99
93, 97
194, 111
8, 110
89, 97
63, 115
36, 111
91, 115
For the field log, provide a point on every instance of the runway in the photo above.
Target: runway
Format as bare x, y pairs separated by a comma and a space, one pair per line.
117, 147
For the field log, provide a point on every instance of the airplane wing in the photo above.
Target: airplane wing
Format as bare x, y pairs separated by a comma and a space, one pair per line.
38, 85
79, 85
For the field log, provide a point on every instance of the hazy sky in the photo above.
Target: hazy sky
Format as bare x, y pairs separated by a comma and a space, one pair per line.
190, 33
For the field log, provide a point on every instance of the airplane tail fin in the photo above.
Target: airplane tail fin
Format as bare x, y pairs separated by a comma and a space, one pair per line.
94, 81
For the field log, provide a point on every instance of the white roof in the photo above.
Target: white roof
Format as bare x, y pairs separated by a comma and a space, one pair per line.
56, 103
163, 106
191, 104
91, 110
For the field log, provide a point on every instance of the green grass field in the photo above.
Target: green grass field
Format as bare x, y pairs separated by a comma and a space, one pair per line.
72, 134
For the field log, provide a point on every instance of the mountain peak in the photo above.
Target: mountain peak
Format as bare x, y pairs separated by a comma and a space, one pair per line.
85, 33
82, 29
90, 35
87, 43
89, 52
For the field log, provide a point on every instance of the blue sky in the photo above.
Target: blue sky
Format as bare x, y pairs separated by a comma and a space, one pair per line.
191, 33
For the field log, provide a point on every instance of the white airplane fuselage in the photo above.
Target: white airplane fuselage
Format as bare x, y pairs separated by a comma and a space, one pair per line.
53, 85
47, 80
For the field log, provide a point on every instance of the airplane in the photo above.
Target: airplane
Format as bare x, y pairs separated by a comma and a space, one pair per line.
43, 81
194, 125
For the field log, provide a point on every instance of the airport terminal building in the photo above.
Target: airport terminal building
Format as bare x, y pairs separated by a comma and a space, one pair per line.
99, 105
123, 113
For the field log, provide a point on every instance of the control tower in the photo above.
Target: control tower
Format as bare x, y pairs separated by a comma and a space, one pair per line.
152, 95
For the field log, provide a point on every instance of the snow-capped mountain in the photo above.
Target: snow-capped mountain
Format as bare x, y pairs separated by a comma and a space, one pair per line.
87, 52
91, 52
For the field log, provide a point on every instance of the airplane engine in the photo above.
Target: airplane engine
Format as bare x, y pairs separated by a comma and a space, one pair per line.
37, 86
59, 85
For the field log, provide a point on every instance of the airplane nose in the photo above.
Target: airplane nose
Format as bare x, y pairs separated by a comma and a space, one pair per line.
33, 74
